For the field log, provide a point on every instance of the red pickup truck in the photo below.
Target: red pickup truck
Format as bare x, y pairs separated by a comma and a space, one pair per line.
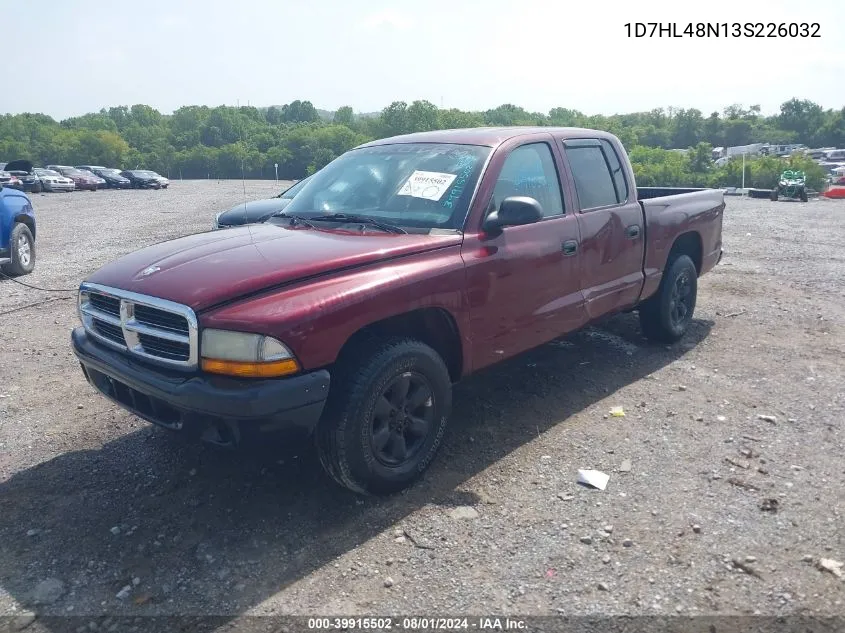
403, 266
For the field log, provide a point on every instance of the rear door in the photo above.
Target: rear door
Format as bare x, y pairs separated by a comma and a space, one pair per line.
611, 224
523, 283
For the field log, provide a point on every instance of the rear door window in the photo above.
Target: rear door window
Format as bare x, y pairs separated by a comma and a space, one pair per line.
616, 171
591, 173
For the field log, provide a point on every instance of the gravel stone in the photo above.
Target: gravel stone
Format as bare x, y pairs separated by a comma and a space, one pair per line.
464, 512
48, 591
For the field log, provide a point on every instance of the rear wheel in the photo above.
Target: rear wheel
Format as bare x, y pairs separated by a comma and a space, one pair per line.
22, 251
803, 194
386, 415
666, 316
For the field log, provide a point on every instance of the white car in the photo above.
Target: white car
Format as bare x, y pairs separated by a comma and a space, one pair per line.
53, 180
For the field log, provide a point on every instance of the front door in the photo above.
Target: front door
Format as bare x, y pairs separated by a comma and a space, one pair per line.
523, 283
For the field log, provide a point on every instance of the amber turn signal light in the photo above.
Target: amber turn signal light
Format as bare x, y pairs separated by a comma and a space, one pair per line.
240, 369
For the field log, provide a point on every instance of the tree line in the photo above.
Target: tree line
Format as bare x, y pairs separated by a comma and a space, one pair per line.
231, 142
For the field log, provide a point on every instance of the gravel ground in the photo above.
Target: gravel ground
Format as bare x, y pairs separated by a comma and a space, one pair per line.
726, 472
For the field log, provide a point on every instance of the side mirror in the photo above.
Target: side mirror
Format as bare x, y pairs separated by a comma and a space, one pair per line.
514, 211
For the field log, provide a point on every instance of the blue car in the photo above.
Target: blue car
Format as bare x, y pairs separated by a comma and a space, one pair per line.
17, 232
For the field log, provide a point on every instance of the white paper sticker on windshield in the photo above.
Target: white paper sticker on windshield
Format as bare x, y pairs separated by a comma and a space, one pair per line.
430, 185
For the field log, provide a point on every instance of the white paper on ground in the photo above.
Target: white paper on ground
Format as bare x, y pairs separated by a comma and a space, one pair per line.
594, 478
430, 185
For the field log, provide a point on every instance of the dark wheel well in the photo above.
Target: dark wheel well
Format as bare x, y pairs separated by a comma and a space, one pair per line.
433, 326
688, 244
30, 223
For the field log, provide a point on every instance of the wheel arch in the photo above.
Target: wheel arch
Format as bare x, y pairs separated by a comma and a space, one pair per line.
434, 326
28, 220
690, 244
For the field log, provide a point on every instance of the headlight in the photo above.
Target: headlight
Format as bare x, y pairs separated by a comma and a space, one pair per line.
245, 355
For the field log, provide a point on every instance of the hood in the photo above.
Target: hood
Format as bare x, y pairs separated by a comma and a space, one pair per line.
205, 269
255, 211
18, 165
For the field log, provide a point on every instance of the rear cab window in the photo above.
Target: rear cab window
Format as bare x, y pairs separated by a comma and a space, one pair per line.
597, 172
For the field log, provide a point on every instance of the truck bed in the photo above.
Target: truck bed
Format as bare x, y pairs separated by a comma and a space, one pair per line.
670, 212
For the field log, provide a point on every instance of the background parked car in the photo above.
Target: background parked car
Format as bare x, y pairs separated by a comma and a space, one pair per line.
101, 182
142, 179
113, 178
91, 168
54, 181
10, 181
257, 210
79, 178
164, 182
23, 169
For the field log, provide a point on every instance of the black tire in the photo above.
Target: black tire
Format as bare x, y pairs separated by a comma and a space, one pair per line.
358, 437
665, 317
774, 195
23, 262
37, 188
803, 195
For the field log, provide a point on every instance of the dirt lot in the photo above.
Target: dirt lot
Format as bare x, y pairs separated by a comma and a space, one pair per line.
93, 500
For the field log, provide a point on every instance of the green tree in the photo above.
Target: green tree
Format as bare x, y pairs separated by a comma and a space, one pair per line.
687, 128
803, 117
299, 112
344, 116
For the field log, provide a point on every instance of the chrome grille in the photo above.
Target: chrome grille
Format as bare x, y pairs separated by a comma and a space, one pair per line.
155, 329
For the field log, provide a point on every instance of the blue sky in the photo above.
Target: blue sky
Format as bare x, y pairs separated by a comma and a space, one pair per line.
77, 56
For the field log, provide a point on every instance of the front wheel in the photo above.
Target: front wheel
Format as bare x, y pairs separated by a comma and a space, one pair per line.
22, 251
665, 317
386, 415
774, 195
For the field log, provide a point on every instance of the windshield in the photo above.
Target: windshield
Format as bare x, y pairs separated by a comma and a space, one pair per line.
425, 185
109, 172
47, 172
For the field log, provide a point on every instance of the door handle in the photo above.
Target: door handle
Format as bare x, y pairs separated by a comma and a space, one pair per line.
570, 247
633, 231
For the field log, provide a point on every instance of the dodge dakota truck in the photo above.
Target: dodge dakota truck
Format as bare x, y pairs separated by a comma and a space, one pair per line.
403, 266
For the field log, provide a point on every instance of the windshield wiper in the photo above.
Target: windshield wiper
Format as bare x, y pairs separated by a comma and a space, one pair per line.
352, 218
296, 219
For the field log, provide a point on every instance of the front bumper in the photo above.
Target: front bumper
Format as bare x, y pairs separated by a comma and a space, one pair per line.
217, 409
